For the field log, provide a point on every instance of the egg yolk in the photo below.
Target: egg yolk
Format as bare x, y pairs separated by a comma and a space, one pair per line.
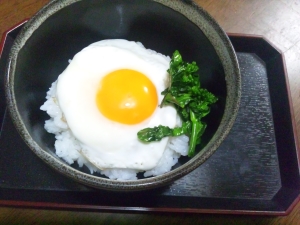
126, 96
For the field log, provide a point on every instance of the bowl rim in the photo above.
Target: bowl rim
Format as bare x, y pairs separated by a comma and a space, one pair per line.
227, 56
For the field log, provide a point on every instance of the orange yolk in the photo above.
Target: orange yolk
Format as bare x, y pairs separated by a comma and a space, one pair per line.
126, 96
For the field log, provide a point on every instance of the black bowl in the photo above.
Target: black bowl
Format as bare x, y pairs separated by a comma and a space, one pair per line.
62, 28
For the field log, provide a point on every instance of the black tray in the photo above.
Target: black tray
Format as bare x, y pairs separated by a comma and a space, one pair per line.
255, 170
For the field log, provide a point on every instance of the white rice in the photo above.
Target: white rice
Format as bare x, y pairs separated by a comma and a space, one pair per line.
68, 147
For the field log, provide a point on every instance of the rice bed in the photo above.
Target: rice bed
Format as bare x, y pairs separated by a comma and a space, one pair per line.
68, 147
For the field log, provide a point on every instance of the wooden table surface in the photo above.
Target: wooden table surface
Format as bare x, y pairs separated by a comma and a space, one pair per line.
277, 20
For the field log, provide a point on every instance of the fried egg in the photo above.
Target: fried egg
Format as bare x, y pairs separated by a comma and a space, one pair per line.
110, 91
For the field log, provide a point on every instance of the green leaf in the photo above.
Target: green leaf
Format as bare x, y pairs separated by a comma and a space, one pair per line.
197, 131
154, 134
190, 100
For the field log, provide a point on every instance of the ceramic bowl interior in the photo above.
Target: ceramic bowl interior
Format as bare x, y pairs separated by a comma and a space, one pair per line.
63, 28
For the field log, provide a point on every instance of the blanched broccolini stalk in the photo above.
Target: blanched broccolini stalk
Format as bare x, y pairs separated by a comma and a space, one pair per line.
190, 100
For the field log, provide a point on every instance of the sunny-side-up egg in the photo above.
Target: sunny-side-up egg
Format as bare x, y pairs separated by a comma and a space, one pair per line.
110, 91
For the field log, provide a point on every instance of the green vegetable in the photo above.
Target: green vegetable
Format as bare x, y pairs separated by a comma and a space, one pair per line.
190, 100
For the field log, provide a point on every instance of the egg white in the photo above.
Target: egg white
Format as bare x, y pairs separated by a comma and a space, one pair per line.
105, 143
